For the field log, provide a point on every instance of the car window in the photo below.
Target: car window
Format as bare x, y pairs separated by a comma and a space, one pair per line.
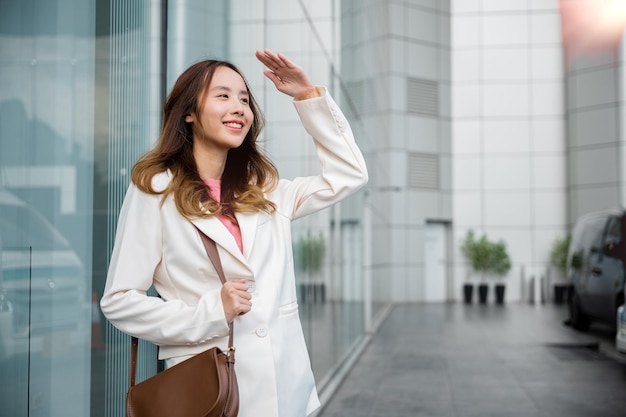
613, 232
593, 234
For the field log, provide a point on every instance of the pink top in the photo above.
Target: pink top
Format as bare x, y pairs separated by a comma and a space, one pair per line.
215, 190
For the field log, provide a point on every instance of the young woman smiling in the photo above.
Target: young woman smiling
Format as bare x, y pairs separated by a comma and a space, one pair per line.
207, 172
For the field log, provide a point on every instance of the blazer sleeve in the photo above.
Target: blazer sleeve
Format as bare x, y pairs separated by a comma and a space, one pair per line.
342, 166
136, 255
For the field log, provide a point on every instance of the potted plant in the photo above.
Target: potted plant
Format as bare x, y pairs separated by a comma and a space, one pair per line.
487, 258
499, 264
558, 259
477, 252
310, 251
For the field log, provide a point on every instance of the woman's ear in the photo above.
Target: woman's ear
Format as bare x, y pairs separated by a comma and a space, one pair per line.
189, 118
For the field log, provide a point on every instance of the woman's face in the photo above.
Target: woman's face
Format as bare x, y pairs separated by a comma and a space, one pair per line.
226, 115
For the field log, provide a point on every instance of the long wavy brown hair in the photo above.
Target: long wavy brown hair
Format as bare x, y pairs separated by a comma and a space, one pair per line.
248, 173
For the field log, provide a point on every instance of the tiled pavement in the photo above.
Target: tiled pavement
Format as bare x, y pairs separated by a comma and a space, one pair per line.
455, 360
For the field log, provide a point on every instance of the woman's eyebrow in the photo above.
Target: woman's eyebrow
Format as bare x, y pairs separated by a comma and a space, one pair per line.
224, 88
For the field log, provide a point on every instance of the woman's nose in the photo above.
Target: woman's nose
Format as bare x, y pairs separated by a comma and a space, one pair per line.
237, 107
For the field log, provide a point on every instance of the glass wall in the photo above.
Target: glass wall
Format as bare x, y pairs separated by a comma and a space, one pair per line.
81, 88
128, 74
46, 205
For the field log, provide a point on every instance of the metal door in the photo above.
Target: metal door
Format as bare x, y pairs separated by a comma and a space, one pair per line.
435, 261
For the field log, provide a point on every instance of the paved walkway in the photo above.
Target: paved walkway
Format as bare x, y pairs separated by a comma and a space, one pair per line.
455, 360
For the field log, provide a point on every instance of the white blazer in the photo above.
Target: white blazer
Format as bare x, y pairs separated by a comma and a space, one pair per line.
156, 245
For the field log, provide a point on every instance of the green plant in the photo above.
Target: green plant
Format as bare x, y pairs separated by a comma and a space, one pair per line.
577, 260
476, 251
558, 253
499, 261
485, 256
310, 252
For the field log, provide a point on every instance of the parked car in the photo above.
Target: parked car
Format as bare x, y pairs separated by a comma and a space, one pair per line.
595, 268
620, 336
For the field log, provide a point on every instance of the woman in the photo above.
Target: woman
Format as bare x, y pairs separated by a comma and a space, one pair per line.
206, 171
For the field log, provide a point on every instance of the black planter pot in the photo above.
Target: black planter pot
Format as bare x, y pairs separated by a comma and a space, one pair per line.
483, 291
468, 292
560, 293
500, 290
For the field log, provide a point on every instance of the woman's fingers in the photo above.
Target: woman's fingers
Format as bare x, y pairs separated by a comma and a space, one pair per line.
235, 298
274, 62
288, 77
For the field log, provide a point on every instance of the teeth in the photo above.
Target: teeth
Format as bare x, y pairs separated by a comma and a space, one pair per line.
235, 125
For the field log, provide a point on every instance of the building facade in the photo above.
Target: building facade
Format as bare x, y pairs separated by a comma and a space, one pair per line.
464, 110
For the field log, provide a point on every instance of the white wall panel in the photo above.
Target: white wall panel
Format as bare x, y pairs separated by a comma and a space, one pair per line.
467, 209
550, 5
595, 126
519, 242
546, 62
425, 134
505, 64
465, 65
397, 55
280, 9
298, 32
508, 209
466, 173
548, 171
506, 5
504, 30
547, 98
590, 199
422, 61
506, 173
423, 26
466, 137
596, 166
445, 177
505, 99
545, 29
594, 88
466, 100
465, 6
465, 31
506, 136
543, 241
445, 102
548, 135
398, 20
548, 208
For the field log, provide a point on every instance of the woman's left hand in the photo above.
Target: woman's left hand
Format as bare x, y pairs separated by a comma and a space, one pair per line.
288, 77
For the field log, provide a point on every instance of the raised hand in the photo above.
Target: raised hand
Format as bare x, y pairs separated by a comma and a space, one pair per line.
288, 77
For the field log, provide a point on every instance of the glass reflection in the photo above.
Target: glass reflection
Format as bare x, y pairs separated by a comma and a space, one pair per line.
46, 182
44, 315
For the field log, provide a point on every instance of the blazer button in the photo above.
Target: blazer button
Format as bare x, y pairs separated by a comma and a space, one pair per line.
251, 286
261, 331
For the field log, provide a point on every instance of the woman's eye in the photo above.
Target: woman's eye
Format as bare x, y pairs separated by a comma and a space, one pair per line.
223, 96
245, 100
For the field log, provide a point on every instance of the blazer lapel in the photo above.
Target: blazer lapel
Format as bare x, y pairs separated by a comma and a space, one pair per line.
215, 229
248, 223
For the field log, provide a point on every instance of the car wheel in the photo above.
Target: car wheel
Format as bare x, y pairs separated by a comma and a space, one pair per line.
578, 319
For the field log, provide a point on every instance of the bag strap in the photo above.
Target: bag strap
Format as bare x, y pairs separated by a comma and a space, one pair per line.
211, 249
